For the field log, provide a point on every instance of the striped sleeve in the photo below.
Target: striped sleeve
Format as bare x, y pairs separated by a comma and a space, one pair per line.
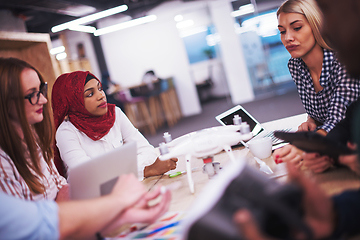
59, 180
9, 182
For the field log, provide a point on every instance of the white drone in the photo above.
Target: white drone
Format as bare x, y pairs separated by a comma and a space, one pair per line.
204, 144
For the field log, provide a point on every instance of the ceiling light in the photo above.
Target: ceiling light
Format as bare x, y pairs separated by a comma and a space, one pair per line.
82, 28
185, 24
89, 18
61, 56
124, 25
57, 50
243, 10
178, 18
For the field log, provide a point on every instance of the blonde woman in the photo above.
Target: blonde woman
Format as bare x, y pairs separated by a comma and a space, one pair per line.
325, 88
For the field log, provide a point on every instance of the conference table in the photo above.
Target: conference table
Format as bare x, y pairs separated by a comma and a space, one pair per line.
333, 181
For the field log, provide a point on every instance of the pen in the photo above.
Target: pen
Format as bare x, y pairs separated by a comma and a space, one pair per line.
180, 172
176, 174
164, 227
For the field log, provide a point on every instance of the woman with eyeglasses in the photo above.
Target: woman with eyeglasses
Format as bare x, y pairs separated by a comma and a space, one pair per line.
94, 126
27, 170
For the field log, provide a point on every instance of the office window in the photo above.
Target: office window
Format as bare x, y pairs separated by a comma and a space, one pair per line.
200, 45
265, 55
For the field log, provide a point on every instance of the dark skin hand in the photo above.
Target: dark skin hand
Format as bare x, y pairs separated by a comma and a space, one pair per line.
160, 167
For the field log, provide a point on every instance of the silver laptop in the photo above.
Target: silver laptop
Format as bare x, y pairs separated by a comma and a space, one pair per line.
97, 177
226, 118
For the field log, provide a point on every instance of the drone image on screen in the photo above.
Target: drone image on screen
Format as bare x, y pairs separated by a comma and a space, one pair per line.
205, 144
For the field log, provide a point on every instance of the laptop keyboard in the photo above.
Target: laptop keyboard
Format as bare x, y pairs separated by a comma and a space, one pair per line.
274, 139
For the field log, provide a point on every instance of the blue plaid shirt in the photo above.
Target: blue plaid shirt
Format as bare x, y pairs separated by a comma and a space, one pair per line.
328, 106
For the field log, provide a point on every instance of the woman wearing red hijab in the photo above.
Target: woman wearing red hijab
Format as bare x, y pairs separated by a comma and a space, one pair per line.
93, 126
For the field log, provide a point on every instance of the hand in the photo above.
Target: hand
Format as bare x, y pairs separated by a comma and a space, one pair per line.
128, 189
288, 153
247, 225
351, 161
160, 167
63, 194
140, 212
318, 208
307, 126
317, 163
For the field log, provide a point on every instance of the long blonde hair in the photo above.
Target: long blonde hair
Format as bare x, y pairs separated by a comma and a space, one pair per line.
40, 135
312, 13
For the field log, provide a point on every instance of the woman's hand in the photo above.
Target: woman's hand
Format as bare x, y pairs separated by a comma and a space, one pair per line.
351, 161
128, 189
307, 126
317, 163
160, 167
141, 212
288, 153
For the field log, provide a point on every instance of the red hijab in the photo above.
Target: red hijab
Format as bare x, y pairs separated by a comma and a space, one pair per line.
68, 100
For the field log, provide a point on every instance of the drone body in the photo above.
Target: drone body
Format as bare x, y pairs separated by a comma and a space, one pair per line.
204, 144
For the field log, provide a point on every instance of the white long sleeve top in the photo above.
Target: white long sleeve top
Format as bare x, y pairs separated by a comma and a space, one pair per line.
76, 147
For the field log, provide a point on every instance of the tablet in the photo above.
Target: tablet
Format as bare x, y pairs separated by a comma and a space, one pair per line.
226, 118
96, 177
314, 142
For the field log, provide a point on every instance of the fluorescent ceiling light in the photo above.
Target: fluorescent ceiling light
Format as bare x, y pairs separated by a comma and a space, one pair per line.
89, 18
245, 9
178, 18
61, 56
82, 28
185, 24
124, 25
57, 50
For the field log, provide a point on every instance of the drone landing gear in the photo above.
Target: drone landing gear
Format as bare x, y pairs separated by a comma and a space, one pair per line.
188, 170
210, 167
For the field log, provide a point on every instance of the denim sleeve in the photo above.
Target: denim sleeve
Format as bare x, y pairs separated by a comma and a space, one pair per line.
22, 219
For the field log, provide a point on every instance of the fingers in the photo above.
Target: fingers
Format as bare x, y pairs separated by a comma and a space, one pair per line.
288, 153
317, 163
247, 226
307, 126
154, 212
351, 145
281, 152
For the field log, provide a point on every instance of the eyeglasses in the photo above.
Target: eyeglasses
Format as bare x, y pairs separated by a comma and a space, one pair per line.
35, 96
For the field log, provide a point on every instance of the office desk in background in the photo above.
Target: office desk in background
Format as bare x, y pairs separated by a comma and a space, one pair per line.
149, 107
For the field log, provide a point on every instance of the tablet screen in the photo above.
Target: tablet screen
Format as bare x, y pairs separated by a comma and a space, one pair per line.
228, 120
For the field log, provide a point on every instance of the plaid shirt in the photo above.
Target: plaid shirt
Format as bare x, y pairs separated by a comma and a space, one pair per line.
12, 183
328, 106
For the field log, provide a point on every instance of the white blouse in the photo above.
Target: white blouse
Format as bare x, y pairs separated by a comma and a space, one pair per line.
75, 147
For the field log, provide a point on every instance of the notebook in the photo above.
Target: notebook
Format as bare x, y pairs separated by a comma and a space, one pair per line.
96, 177
226, 118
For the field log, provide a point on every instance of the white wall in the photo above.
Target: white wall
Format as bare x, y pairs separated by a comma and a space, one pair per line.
129, 53
73, 39
231, 53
